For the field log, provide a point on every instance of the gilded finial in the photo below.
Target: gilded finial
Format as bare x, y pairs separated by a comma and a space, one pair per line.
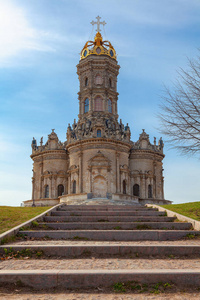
98, 46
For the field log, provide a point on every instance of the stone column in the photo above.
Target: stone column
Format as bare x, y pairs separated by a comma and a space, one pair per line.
41, 181
90, 181
41, 188
142, 187
50, 189
91, 83
104, 102
55, 188
154, 181
154, 188
146, 186
33, 188
120, 183
116, 106
91, 101
109, 179
117, 173
80, 108
162, 187
129, 183
69, 184
65, 186
80, 172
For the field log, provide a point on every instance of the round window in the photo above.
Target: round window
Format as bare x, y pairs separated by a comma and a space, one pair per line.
85, 53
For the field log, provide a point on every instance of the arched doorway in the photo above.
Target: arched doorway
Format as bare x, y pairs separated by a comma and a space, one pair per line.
149, 191
60, 190
46, 191
99, 187
74, 187
136, 190
124, 186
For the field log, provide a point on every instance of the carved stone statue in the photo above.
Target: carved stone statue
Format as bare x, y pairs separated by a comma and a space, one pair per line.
161, 144
87, 127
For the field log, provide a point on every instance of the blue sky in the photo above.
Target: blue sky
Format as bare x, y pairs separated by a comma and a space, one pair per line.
40, 42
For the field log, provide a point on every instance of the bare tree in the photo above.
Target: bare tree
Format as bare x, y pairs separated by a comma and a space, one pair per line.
180, 110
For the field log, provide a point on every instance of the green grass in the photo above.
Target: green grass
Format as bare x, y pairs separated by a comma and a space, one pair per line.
133, 286
13, 216
191, 210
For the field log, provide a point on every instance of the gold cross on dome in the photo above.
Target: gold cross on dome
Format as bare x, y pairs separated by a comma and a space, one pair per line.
98, 23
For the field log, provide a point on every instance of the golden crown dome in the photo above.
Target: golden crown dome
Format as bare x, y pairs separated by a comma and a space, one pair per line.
98, 47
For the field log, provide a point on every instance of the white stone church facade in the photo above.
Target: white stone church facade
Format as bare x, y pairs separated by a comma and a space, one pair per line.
98, 159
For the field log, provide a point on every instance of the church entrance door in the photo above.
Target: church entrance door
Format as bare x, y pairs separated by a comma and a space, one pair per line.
99, 187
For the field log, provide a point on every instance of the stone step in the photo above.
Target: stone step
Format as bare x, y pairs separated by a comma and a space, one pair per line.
116, 225
108, 213
113, 249
97, 208
110, 235
108, 219
96, 263
82, 279
104, 207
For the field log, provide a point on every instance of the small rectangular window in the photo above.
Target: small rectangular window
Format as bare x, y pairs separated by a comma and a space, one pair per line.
98, 133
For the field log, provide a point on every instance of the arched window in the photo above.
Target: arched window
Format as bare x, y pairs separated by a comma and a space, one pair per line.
136, 190
98, 79
109, 106
98, 104
110, 82
86, 105
124, 186
60, 190
46, 191
74, 187
98, 133
149, 191
86, 81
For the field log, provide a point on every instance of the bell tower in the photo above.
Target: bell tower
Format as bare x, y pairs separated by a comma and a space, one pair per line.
98, 113
97, 71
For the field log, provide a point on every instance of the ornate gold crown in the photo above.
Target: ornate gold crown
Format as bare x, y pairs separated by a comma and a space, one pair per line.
98, 47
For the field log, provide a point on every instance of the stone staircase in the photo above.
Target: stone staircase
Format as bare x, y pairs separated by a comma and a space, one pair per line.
90, 246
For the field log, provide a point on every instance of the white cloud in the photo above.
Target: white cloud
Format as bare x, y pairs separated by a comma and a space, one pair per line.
16, 34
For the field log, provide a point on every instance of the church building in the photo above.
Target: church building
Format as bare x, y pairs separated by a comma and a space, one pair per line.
98, 158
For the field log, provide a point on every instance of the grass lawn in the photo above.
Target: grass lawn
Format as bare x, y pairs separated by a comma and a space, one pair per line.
191, 210
13, 216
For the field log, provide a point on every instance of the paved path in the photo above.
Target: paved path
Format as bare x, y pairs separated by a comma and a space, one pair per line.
15, 295
71, 242
95, 264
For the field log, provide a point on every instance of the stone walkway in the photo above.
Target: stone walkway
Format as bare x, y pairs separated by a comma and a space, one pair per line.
195, 241
15, 295
102, 201
95, 264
